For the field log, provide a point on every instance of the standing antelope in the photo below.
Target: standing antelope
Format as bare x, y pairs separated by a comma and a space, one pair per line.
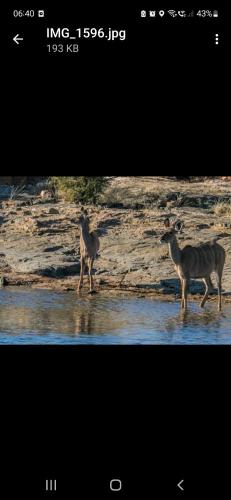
89, 247
195, 262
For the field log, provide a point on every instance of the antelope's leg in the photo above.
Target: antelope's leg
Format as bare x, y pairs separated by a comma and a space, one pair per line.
207, 282
185, 293
81, 273
211, 287
182, 298
219, 291
90, 265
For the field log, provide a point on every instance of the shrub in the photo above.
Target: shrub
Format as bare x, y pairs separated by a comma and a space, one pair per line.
79, 189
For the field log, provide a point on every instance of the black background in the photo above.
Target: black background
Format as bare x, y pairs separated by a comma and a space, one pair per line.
148, 415
149, 39
146, 102
152, 415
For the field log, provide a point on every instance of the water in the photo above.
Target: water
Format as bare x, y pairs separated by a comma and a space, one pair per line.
30, 316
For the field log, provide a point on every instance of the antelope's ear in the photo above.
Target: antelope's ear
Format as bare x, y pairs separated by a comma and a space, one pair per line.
167, 223
178, 226
84, 211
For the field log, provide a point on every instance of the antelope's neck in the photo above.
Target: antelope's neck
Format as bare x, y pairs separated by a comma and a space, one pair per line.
85, 234
174, 251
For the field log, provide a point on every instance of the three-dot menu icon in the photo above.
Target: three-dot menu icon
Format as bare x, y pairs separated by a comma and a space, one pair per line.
217, 39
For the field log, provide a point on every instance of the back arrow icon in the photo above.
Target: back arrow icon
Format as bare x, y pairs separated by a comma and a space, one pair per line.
16, 39
180, 485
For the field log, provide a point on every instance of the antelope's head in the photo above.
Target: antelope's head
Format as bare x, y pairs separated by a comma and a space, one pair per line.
83, 218
173, 229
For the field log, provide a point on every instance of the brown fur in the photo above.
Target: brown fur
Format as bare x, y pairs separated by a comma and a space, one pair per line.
89, 247
196, 262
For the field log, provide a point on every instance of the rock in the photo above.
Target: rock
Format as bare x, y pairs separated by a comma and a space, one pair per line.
171, 196
101, 281
59, 270
111, 222
45, 201
27, 212
164, 257
139, 215
173, 199
113, 205
135, 206
53, 249
226, 225
45, 194
149, 232
162, 203
20, 204
102, 271
31, 263
53, 211
199, 227
172, 204
29, 225
222, 235
71, 251
12, 212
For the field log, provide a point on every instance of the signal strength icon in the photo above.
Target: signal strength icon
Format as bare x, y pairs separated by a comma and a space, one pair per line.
172, 13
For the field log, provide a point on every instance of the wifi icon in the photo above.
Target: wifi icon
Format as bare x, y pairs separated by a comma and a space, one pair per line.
172, 13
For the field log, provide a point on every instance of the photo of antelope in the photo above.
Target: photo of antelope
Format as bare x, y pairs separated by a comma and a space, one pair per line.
115, 260
89, 247
197, 262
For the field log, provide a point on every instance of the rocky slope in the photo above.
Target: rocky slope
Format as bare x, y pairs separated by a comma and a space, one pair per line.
39, 239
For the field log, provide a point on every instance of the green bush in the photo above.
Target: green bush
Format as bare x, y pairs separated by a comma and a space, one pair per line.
79, 189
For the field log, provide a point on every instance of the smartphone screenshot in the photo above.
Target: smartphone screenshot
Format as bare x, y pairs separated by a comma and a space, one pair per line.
115, 290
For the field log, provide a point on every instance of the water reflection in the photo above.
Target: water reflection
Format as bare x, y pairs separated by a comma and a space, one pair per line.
204, 317
47, 311
195, 319
42, 316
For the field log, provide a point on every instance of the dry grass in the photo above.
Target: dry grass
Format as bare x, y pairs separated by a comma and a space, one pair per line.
148, 187
223, 208
127, 195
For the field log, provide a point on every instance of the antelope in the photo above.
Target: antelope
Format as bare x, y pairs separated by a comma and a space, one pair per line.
89, 247
195, 262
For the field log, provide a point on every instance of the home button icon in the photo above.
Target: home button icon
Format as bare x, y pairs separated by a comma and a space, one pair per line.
115, 485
